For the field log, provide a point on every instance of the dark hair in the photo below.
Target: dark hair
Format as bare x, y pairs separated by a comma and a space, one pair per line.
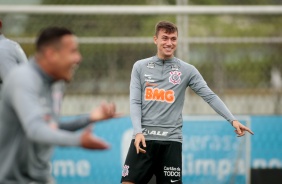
51, 35
167, 26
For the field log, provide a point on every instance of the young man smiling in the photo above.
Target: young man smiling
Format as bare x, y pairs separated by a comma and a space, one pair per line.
157, 92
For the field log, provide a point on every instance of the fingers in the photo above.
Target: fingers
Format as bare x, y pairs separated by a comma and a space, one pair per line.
144, 145
109, 109
88, 141
244, 128
113, 109
143, 142
142, 150
241, 129
136, 144
249, 130
99, 144
105, 108
241, 134
238, 130
138, 149
139, 138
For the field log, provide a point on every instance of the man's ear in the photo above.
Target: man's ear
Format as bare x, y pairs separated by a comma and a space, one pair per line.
50, 53
155, 39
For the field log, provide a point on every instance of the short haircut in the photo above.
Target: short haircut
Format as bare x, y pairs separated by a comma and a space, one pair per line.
167, 26
51, 35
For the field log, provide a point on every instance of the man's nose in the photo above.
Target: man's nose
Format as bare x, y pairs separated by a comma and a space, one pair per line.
168, 42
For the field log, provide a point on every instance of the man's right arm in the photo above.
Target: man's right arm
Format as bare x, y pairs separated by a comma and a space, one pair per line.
135, 108
26, 103
135, 99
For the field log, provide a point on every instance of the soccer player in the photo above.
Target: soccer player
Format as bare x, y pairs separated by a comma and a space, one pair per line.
11, 55
29, 126
157, 91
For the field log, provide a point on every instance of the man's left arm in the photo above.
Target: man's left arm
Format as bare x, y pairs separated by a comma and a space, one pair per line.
102, 112
75, 124
200, 87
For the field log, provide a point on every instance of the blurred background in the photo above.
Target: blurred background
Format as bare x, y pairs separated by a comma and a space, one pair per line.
239, 55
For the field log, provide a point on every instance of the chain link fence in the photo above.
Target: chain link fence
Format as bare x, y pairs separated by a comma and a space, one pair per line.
238, 55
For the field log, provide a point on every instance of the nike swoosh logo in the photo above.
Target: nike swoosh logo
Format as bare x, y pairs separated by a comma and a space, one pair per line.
146, 75
173, 181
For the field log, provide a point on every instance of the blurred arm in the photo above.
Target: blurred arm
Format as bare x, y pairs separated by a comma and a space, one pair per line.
26, 102
75, 124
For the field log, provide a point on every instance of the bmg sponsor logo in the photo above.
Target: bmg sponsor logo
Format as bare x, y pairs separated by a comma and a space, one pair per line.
161, 95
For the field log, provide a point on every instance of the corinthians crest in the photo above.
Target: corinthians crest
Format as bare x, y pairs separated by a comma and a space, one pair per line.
125, 170
175, 77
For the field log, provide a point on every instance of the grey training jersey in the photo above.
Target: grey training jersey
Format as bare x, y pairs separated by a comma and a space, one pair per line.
26, 140
11, 54
157, 92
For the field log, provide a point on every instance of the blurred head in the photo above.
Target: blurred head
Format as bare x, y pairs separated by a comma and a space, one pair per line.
166, 39
57, 52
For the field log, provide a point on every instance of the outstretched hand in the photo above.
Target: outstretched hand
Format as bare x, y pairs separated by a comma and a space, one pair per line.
240, 129
89, 141
103, 112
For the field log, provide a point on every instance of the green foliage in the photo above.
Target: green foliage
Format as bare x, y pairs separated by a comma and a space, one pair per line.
241, 65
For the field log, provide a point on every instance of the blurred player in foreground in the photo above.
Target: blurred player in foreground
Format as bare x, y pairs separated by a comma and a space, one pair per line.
157, 91
29, 127
11, 55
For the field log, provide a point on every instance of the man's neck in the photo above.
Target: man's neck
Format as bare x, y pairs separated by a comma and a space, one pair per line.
164, 58
43, 65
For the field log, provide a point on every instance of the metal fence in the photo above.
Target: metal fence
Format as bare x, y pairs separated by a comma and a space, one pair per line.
237, 51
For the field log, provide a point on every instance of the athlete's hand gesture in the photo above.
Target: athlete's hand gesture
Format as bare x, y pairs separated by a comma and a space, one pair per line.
240, 129
104, 111
139, 138
88, 141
